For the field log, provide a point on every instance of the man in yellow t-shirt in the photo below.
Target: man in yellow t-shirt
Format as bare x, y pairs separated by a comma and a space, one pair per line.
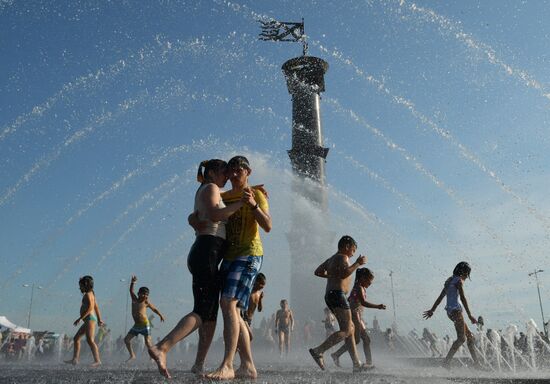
240, 266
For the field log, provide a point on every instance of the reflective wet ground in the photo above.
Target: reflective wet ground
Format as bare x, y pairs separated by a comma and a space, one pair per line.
283, 373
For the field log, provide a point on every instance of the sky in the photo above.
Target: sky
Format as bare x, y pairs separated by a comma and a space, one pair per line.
435, 113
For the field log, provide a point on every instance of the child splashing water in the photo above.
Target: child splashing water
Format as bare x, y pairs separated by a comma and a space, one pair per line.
452, 289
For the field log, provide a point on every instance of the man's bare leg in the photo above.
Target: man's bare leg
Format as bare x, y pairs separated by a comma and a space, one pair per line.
287, 342
247, 370
231, 327
206, 334
76, 345
128, 343
90, 338
185, 326
346, 332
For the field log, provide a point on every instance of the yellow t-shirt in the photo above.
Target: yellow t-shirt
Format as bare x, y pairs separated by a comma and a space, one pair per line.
242, 230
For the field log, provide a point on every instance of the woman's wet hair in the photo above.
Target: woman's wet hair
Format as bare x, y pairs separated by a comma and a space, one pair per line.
462, 269
87, 283
209, 165
363, 273
346, 241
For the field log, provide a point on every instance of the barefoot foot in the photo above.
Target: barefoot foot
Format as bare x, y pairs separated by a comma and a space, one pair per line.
318, 358
222, 373
246, 372
95, 364
197, 369
130, 359
72, 362
160, 358
336, 359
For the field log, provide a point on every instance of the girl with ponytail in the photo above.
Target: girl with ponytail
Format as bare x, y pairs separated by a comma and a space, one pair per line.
203, 261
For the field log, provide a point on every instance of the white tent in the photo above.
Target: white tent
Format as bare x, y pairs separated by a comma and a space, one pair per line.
6, 324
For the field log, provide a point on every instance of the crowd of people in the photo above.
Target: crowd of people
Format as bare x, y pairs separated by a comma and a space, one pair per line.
225, 262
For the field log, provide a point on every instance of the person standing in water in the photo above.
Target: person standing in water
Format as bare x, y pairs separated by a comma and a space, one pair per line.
142, 325
357, 301
204, 257
240, 267
284, 325
453, 288
337, 270
89, 315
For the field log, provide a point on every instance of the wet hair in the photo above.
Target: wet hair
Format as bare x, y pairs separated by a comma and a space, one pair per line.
238, 161
363, 273
143, 290
87, 283
462, 269
207, 166
260, 278
284, 301
346, 241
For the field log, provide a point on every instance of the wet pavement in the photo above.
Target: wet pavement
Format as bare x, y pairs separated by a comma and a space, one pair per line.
283, 374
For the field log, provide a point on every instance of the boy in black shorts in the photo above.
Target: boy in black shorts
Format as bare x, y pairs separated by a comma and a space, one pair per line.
338, 271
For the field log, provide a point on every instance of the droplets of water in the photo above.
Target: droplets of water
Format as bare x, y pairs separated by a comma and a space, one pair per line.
454, 29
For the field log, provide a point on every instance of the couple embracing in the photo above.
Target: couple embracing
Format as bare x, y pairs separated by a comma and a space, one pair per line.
227, 229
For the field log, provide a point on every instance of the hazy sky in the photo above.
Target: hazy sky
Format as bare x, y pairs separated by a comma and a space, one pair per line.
436, 116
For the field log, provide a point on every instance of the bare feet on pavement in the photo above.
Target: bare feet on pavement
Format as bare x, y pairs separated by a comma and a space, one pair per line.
160, 358
222, 373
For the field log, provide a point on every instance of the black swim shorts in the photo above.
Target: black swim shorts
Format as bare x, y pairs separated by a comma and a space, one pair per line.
336, 299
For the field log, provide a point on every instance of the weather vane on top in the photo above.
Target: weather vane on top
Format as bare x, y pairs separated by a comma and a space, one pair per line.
274, 30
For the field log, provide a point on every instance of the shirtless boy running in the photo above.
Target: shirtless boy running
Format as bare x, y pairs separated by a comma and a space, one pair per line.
338, 271
140, 303
256, 297
284, 324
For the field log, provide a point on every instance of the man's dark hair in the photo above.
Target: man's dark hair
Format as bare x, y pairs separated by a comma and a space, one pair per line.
238, 161
143, 290
346, 241
260, 278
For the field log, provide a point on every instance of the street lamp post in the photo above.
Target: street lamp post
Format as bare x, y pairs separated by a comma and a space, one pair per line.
126, 313
30, 305
536, 272
393, 298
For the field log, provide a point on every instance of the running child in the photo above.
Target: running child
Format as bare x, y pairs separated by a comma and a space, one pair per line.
90, 315
142, 325
452, 289
338, 271
284, 324
255, 301
357, 301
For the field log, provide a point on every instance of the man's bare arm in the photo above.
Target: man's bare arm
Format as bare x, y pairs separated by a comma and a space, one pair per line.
132, 294
465, 303
429, 313
260, 304
345, 270
322, 270
155, 310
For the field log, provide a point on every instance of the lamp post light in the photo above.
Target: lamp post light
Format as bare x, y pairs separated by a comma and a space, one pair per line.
126, 312
535, 273
33, 286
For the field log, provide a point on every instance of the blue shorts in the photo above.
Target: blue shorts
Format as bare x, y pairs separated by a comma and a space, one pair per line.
140, 330
238, 278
